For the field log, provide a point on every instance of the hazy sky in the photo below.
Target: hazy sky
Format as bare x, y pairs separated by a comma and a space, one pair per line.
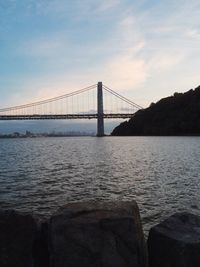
144, 49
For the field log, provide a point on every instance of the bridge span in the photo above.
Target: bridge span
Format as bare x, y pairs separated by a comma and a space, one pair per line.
65, 107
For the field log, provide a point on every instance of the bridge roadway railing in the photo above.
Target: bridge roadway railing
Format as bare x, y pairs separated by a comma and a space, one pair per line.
65, 116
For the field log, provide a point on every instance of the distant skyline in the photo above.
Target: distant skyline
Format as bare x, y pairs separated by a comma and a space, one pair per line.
143, 49
46, 126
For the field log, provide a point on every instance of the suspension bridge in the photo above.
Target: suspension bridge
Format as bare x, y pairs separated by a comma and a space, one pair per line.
93, 102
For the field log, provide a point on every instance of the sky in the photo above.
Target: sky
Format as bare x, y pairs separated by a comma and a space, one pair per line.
143, 49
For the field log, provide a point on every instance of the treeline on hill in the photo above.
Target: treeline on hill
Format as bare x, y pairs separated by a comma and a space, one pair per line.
175, 115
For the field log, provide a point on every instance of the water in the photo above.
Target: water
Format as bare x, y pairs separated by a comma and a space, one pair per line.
160, 173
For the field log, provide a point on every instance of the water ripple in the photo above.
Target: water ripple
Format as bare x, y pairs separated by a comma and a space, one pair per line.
160, 173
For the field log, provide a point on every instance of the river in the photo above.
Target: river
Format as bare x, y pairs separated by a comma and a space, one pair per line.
161, 173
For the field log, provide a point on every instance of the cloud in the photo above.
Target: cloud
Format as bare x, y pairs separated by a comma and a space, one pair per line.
76, 10
123, 69
125, 72
193, 33
107, 5
50, 46
132, 46
127, 68
166, 60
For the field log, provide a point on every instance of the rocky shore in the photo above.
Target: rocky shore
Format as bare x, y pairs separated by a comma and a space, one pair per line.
107, 234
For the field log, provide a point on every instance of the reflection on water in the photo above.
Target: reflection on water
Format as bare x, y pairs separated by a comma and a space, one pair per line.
160, 173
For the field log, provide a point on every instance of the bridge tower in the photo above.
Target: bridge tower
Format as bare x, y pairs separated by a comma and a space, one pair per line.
100, 114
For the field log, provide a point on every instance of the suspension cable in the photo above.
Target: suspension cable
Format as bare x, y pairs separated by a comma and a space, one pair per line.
49, 100
122, 97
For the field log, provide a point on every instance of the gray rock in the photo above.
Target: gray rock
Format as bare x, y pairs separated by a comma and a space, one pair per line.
17, 233
97, 234
175, 242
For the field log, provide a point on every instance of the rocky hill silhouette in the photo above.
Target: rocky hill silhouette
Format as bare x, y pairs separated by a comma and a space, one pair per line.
175, 115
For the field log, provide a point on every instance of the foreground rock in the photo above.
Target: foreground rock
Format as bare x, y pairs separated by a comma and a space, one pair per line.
97, 234
175, 242
17, 235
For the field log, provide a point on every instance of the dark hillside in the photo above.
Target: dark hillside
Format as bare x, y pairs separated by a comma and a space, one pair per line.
175, 115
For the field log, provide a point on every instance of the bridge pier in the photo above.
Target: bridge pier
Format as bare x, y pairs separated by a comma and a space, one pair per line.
100, 114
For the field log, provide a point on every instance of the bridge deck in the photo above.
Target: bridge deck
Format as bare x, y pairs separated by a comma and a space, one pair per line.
63, 117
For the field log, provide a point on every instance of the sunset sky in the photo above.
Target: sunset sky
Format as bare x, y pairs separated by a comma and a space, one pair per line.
143, 49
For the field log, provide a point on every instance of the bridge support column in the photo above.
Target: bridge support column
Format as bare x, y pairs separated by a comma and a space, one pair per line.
100, 115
